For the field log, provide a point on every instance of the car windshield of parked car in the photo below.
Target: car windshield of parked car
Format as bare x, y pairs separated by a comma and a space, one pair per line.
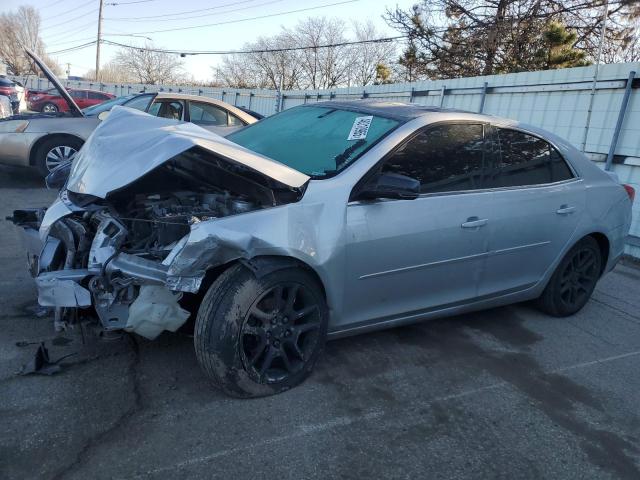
105, 106
318, 141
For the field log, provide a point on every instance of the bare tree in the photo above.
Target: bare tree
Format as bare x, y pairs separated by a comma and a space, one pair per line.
323, 67
267, 65
370, 60
148, 66
18, 29
112, 72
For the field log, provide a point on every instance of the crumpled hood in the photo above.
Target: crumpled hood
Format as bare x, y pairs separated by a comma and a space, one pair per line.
130, 143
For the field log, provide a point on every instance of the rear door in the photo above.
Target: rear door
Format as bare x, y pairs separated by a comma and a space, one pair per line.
405, 257
538, 201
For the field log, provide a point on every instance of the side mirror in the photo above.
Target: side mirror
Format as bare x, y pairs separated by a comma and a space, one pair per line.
391, 185
103, 115
58, 176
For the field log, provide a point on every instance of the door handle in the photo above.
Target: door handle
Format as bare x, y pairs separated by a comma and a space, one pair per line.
474, 222
565, 210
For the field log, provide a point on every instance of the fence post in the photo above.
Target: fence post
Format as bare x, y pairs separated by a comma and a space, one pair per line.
443, 92
235, 99
621, 114
484, 94
250, 97
411, 95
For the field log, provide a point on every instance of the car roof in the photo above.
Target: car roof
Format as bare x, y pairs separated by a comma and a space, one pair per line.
396, 110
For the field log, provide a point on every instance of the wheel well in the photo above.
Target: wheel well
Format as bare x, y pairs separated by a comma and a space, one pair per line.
36, 146
260, 266
603, 243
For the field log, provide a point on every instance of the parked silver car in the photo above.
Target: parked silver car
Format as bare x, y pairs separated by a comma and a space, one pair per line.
44, 141
322, 221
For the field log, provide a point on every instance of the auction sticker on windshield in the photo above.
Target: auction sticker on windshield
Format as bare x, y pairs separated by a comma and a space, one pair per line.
360, 128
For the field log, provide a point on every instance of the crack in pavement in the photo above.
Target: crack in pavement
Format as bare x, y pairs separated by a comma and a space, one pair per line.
96, 440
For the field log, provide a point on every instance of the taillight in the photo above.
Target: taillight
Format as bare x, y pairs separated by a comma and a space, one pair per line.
630, 191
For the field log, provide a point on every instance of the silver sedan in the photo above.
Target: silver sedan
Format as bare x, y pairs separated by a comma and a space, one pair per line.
322, 221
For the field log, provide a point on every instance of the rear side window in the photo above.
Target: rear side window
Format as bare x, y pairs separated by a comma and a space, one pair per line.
444, 158
523, 159
206, 114
78, 93
98, 96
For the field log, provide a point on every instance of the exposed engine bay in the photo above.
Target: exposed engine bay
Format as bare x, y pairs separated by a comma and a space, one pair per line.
135, 231
112, 255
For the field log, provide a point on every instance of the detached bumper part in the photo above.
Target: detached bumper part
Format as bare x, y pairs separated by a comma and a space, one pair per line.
156, 309
61, 289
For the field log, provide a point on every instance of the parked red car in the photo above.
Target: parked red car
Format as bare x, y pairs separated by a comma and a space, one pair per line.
50, 102
13, 90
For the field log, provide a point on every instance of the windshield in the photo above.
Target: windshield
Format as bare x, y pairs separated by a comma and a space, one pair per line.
108, 105
318, 141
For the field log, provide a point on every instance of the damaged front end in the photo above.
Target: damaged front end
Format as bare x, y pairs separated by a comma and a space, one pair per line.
118, 240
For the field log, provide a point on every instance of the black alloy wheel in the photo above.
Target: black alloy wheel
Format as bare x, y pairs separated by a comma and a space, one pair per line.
280, 332
579, 277
574, 279
259, 334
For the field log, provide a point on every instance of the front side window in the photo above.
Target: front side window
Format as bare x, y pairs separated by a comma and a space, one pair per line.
318, 141
524, 159
202, 113
139, 102
444, 158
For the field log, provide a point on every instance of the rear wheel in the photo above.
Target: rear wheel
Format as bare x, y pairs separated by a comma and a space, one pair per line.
49, 108
55, 151
260, 336
574, 280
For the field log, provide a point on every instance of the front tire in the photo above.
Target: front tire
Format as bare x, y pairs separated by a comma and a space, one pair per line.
260, 336
574, 280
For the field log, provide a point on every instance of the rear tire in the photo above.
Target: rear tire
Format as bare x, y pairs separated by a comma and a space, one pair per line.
49, 108
260, 336
55, 150
574, 280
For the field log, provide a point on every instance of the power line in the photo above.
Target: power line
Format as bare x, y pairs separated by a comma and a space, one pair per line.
249, 19
200, 16
183, 13
73, 9
117, 4
51, 5
66, 22
73, 49
265, 50
62, 35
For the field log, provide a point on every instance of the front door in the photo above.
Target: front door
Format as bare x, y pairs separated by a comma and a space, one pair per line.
405, 257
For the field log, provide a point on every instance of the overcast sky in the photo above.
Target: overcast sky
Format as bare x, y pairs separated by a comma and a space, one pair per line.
67, 23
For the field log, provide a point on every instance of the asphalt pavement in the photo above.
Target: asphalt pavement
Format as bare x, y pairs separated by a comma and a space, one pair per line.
506, 393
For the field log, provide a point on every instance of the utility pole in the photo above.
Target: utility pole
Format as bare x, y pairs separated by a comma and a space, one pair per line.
98, 42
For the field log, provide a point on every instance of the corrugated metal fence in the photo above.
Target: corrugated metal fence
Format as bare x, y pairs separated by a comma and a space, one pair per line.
557, 100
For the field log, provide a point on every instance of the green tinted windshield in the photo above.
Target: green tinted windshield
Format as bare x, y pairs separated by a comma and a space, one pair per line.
318, 141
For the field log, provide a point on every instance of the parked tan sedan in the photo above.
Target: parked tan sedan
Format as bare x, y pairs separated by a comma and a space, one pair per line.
44, 141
